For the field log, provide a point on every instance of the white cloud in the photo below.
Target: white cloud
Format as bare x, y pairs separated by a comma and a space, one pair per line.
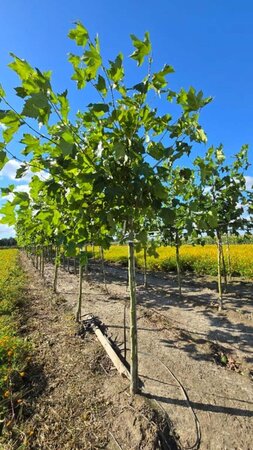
249, 182
18, 188
6, 231
10, 169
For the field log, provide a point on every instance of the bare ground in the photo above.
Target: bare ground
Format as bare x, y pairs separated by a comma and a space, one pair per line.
74, 399
182, 346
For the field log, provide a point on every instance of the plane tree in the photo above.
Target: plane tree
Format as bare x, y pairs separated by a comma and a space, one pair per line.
222, 198
112, 159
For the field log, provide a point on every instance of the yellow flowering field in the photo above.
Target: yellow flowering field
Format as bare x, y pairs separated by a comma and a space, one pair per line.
7, 262
199, 259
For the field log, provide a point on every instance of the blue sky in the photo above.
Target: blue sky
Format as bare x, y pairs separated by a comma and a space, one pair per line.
209, 43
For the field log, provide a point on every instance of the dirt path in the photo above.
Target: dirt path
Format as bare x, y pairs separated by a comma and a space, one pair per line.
182, 339
74, 399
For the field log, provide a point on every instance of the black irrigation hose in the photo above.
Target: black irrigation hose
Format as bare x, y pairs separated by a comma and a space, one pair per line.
196, 445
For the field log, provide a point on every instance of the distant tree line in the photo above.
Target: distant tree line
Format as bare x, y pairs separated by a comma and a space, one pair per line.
8, 242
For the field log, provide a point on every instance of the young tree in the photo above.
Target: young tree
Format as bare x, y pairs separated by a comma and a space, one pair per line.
222, 199
115, 156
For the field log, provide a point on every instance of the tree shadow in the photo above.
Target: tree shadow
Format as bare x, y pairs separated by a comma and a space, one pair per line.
201, 406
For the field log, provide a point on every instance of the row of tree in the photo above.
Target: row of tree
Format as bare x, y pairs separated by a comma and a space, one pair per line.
113, 169
8, 242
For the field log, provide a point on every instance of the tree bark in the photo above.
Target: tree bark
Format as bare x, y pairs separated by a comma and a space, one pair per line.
103, 267
133, 317
36, 259
79, 300
42, 262
178, 269
224, 268
56, 266
145, 282
229, 258
219, 258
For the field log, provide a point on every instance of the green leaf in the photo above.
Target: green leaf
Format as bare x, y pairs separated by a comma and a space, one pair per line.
141, 87
21, 171
12, 122
21, 92
156, 150
158, 78
8, 214
93, 61
168, 215
3, 159
201, 135
99, 108
64, 104
8, 190
2, 93
79, 34
67, 143
21, 67
101, 85
80, 77
37, 107
31, 142
143, 48
116, 70
119, 150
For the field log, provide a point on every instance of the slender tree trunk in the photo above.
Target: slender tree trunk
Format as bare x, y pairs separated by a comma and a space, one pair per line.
79, 300
86, 251
40, 261
68, 264
56, 266
228, 258
224, 268
219, 258
178, 267
125, 337
103, 267
43, 262
37, 259
75, 265
133, 317
145, 282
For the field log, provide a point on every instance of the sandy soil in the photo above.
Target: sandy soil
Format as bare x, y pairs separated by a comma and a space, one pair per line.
74, 398
181, 343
